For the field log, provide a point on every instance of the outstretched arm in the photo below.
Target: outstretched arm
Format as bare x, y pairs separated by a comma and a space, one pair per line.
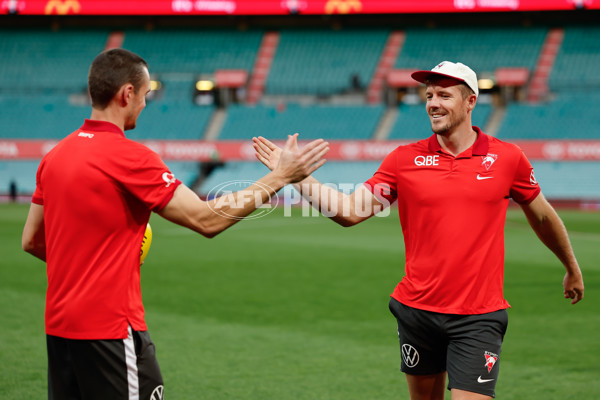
550, 229
345, 209
212, 217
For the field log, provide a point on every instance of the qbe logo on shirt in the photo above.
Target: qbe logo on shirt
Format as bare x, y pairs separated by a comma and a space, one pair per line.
427, 161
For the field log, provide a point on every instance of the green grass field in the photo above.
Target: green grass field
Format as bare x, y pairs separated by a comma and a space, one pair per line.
296, 308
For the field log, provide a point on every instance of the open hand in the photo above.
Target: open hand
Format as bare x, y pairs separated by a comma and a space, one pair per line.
267, 152
293, 164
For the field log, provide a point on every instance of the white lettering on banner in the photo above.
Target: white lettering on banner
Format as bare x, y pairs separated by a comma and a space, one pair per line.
427, 160
215, 6
512, 4
464, 4
378, 151
350, 150
189, 151
294, 5
247, 151
554, 150
156, 147
182, 6
581, 151
9, 149
187, 6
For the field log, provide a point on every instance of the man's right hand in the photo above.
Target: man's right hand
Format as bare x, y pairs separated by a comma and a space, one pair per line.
267, 152
292, 164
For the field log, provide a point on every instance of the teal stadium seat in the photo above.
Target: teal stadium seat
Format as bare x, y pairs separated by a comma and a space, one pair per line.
178, 57
569, 116
568, 180
482, 48
413, 122
576, 66
40, 116
194, 51
43, 59
322, 62
312, 122
186, 171
173, 115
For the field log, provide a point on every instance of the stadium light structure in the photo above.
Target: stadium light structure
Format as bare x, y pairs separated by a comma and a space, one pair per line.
204, 91
205, 85
155, 85
156, 88
486, 83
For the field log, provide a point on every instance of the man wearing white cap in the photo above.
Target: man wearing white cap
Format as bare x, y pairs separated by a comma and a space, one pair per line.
452, 191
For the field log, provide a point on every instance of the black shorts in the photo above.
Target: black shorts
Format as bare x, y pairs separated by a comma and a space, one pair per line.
118, 369
466, 346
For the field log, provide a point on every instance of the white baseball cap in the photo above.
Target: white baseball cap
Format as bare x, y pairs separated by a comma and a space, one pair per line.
449, 69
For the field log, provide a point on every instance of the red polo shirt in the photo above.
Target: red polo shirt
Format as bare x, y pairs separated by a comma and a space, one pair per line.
452, 211
98, 189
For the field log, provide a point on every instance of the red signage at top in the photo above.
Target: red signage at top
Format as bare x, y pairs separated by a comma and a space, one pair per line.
280, 7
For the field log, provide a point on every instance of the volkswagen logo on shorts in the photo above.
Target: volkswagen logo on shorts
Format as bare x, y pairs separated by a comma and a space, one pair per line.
410, 355
226, 197
157, 393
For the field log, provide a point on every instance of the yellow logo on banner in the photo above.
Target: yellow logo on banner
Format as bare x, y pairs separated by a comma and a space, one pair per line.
62, 7
343, 6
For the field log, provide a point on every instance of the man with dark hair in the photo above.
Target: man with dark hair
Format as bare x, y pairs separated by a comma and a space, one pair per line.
94, 195
112, 69
452, 191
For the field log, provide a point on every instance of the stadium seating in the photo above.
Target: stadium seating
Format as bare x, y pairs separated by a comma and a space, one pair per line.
173, 115
578, 60
40, 116
323, 61
312, 122
569, 116
482, 48
413, 122
43, 79
568, 180
185, 171
43, 59
194, 51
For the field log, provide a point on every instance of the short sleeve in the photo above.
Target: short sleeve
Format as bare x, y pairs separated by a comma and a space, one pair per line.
38, 194
524, 188
383, 184
148, 178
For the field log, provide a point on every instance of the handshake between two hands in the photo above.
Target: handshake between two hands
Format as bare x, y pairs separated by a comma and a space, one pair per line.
292, 163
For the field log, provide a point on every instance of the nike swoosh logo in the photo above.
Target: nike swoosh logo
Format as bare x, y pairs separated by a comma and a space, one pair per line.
483, 380
480, 178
